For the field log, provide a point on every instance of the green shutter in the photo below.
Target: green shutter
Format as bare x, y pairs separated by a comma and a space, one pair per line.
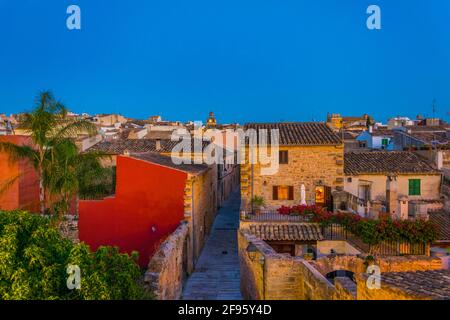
414, 187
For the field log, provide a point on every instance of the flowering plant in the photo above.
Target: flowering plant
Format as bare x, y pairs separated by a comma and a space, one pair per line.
300, 210
370, 231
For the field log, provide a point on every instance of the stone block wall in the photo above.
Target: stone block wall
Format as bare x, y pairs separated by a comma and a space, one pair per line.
200, 206
357, 263
166, 270
267, 275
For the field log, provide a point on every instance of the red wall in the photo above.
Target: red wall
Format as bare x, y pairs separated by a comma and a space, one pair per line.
24, 193
147, 195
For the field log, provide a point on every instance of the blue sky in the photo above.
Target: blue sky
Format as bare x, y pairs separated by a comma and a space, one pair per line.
248, 60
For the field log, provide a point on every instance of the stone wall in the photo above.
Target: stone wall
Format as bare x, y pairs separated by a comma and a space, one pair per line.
267, 275
201, 206
167, 268
302, 169
357, 264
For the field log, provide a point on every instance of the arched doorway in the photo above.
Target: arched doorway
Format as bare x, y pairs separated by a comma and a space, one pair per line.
339, 273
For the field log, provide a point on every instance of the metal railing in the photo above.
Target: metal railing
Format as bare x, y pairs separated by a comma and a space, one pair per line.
273, 216
387, 248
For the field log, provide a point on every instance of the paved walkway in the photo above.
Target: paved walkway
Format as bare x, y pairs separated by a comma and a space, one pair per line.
216, 275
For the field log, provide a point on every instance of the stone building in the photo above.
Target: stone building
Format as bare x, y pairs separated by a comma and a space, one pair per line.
398, 181
338, 122
108, 119
417, 137
267, 274
310, 154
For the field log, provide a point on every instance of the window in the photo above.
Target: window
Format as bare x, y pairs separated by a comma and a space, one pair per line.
284, 158
364, 192
384, 142
283, 193
414, 187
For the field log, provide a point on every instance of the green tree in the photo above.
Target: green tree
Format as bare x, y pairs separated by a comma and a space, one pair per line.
52, 146
34, 259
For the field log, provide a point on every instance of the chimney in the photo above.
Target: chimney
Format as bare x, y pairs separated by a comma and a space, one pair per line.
158, 144
391, 195
370, 129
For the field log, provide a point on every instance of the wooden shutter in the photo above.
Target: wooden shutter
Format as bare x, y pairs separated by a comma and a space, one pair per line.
275, 193
417, 187
291, 193
414, 187
283, 157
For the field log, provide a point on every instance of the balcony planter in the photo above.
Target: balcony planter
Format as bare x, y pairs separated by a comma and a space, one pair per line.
308, 256
257, 204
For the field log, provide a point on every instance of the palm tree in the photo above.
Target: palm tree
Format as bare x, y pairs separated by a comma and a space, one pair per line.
74, 172
52, 134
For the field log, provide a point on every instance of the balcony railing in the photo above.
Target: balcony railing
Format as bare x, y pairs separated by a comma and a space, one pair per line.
387, 248
338, 232
273, 216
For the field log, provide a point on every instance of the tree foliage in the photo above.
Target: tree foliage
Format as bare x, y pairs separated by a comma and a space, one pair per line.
53, 152
34, 259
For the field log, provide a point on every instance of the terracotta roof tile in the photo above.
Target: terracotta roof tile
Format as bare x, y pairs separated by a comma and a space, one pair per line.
294, 231
300, 133
434, 284
138, 146
166, 161
442, 221
385, 162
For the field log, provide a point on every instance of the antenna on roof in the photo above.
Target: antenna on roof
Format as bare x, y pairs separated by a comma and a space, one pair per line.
433, 106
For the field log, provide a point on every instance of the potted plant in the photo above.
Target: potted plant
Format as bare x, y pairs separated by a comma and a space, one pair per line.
257, 203
308, 256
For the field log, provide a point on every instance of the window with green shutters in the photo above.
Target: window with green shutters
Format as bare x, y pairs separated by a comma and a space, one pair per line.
414, 187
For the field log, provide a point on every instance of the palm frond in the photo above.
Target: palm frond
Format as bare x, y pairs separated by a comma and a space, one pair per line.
17, 152
71, 129
6, 185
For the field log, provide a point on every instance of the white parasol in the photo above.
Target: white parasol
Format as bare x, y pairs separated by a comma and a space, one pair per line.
303, 195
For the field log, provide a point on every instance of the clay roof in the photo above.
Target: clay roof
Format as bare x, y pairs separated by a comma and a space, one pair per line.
293, 231
441, 220
429, 137
166, 161
385, 162
431, 284
138, 146
416, 128
382, 133
299, 133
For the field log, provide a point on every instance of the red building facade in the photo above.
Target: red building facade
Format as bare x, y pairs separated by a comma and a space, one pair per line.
19, 181
148, 206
